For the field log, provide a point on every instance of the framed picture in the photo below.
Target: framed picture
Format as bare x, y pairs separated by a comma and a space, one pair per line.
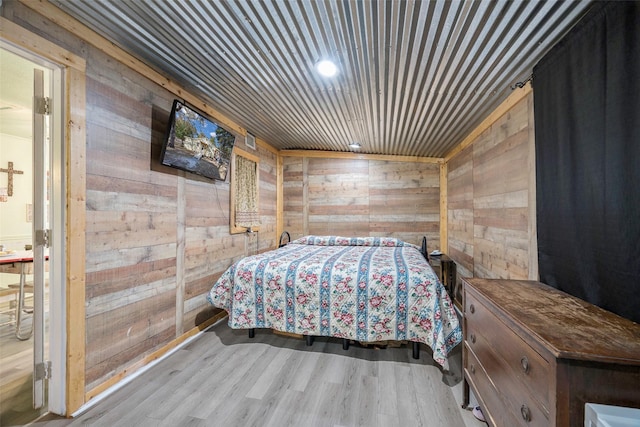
250, 141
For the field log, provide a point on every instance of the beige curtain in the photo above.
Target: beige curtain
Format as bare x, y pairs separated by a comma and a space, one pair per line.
246, 189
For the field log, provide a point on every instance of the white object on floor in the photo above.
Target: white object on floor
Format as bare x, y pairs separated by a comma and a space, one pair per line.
596, 415
477, 412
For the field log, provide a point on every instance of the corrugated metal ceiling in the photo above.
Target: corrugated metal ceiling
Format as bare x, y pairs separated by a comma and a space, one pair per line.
415, 77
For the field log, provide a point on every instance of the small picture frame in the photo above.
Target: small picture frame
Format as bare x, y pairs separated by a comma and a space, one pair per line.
250, 141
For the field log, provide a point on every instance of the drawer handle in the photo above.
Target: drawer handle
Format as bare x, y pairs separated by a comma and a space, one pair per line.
524, 362
473, 369
472, 308
525, 412
473, 338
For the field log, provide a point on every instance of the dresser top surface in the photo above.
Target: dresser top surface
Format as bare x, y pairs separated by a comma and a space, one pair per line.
568, 326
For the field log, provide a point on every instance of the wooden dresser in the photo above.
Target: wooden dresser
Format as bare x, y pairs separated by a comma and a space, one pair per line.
534, 355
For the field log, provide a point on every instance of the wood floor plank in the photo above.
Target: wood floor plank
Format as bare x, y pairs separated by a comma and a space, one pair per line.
387, 399
203, 401
192, 422
366, 401
224, 378
277, 388
282, 363
327, 400
348, 408
286, 411
405, 398
301, 381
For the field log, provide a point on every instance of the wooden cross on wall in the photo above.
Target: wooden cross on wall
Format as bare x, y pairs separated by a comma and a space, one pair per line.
11, 171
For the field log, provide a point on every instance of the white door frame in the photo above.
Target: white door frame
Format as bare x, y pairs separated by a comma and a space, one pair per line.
57, 282
57, 252
68, 385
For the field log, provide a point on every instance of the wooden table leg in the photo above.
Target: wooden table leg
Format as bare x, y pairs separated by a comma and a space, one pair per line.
20, 306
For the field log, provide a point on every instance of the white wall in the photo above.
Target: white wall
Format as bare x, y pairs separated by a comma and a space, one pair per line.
15, 230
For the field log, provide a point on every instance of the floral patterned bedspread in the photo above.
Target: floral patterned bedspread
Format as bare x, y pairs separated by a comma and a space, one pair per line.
365, 289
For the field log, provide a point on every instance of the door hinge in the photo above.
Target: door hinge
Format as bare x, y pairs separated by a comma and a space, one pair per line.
42, 238
43, 370
43, 106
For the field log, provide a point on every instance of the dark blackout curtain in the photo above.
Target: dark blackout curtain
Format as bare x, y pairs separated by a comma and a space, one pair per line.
587, 127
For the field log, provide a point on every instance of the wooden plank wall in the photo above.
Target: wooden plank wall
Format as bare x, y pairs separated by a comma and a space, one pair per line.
131, 227
156, 238
338, 197
489, 202
362, 197
460, 211
294, 189
267, 237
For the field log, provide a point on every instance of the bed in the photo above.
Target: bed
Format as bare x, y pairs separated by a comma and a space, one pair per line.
365, 289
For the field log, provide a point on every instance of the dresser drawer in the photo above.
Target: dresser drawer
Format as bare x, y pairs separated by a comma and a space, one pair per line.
491, 398
513, 396
490, 338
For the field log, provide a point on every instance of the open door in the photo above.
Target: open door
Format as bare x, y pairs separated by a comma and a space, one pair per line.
31, 227
41, 231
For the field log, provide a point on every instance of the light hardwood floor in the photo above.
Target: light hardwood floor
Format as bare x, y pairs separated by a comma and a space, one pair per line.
223, 378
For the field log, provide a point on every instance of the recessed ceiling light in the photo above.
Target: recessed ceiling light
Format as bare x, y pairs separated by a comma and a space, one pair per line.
326, 68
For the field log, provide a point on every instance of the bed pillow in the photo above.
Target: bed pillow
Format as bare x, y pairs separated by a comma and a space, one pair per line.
351, 241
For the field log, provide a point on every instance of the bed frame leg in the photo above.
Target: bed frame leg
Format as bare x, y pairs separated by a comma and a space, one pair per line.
309, 339
345, 344
252, 333
416, 350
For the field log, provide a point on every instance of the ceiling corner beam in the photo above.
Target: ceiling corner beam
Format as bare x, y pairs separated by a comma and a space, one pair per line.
358, 156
